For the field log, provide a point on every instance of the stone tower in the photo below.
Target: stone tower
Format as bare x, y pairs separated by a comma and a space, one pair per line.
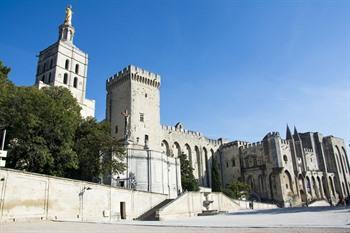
133, 100
63, 64
135, 91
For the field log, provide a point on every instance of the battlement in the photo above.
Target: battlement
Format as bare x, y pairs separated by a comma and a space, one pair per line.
189, 132
137, 74
308, 150
234, 143
254, 144
285, 142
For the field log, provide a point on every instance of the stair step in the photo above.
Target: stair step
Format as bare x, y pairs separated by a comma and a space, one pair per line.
150, 215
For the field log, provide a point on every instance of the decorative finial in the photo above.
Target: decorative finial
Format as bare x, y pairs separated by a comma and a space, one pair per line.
69, 13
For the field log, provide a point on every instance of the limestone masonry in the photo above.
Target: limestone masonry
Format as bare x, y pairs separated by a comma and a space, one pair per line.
298, 169
63, 64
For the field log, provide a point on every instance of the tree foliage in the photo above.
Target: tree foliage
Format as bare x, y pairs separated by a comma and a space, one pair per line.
46, 134
237, 190
215, 177
188, 180
41, 125
95, 146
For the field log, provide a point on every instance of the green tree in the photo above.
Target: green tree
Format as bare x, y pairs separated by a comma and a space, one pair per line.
41, 125
188, 180
215, 177
237, 190
94, 146
6, 89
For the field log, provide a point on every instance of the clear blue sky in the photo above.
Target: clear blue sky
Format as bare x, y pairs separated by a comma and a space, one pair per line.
232, 69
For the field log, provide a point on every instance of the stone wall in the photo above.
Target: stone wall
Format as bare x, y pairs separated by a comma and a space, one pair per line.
191, 204
30, 196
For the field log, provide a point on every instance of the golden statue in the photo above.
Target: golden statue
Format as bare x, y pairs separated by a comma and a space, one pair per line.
68, 19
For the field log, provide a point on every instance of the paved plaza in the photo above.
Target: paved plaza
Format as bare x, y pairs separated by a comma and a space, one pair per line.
314, 219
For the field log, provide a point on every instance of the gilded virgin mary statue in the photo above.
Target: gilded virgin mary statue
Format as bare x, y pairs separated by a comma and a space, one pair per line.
68, 19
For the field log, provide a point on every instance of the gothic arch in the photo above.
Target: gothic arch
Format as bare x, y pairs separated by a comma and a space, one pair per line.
320, 186
251, 183
262, 188
197, 161
343, 165
176, 150
206, 168
272, 183
332, 186
308, 186
346, 160
315, 188
288, 181
301, 184
165, 147
188, 152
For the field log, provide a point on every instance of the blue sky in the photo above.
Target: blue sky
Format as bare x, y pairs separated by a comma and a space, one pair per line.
232, 69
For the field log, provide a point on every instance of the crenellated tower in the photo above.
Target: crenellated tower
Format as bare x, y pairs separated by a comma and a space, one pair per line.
135, 92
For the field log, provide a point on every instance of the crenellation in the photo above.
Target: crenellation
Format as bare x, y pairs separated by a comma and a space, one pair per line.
137, 74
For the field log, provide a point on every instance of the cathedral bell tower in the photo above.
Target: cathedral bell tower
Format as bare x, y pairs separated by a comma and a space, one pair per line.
64, 64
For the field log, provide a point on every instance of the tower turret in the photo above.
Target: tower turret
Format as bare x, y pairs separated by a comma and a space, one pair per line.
66, 30
288, 134
296, 135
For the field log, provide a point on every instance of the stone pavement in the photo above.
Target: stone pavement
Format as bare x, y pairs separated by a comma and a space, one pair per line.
288, 220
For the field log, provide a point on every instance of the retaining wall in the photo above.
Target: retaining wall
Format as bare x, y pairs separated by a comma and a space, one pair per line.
29, 196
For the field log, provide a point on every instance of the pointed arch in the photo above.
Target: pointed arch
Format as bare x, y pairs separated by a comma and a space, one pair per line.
165, 148
188, 152
288, 181
176, 150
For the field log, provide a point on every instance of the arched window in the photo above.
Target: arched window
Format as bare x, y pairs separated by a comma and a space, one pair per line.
65, 78
51, 63
49, 78
67, 64
77, 68
75, 83
43, 78
44, 68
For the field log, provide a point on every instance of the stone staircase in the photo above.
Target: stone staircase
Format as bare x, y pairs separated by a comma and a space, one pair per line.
150, 215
